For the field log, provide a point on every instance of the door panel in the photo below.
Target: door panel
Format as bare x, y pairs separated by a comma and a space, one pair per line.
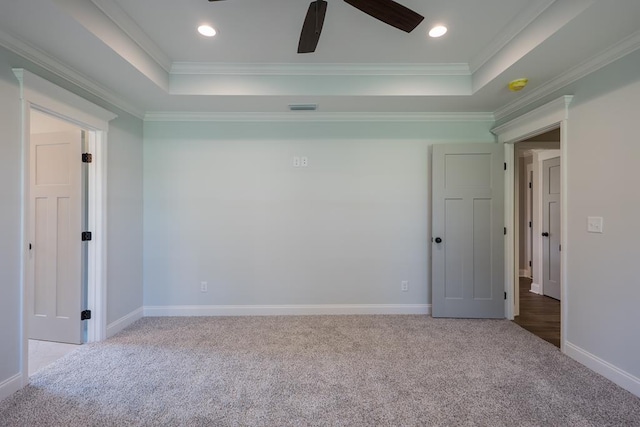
467, 214
481, 256
454, 265
55, 268
551, 225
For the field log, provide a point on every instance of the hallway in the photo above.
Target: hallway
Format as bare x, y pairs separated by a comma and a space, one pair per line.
539, 314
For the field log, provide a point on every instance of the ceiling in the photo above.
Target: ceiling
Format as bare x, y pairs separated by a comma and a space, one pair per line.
145, 56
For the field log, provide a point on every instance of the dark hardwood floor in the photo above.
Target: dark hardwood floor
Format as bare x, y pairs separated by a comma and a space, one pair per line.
539, 314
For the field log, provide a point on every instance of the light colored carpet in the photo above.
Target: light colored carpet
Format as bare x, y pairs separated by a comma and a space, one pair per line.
43, 353
319, 370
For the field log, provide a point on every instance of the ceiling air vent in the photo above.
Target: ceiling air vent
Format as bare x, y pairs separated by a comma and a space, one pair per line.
303, 107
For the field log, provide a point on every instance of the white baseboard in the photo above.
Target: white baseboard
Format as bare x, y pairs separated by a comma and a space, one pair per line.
10, 386
536, 288
604, 368
278, 310
115, 327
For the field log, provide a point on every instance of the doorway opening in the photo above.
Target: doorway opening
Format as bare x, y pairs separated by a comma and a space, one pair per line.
38, 94
56, 268
550, 116
537, 235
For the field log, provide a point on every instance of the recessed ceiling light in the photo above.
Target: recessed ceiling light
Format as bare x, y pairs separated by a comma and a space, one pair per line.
207, 30
438, 31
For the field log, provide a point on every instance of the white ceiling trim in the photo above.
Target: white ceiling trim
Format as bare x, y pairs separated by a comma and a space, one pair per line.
59, 102
54, 66
180, 68
606, 57
133, 30
552, 20
308, 116
510, 31
88, 15
534, 122
312, 86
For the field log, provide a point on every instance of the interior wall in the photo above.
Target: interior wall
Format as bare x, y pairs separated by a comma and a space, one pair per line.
10, 223
224, 204
124, 217
603, 174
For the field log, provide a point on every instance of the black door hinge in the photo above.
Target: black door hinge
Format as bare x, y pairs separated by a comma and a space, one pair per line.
86, 236
529, 263
529, 224
85, 315
87, 157
505, 295
505, 231
505, 165
530, 186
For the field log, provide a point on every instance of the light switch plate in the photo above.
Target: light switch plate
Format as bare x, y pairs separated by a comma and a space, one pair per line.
594, 224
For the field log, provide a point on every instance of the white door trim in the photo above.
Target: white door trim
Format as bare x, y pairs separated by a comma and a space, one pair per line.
549, 116
38, 93
528, 237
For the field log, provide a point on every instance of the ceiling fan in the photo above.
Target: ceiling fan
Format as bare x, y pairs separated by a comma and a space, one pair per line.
387, 11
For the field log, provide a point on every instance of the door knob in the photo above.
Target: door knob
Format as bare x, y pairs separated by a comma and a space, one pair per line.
438, 240
545, 234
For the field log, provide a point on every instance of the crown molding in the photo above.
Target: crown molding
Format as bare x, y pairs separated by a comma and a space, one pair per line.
309, 116
120, 18
604, 58
54, 66
46, 95
534, 122
509, 32
321, 69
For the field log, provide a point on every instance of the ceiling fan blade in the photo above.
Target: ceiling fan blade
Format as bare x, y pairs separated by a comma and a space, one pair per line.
312, 27
389, 12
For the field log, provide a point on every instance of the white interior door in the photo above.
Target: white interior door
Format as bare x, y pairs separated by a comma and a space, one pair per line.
55, 256
551, 228
467, 226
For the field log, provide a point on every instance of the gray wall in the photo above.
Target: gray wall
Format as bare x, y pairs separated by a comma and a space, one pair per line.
603, 152
124, 217
10, 220
224, 204
603, 155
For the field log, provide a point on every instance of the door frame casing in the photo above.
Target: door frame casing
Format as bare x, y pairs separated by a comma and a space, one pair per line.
542, 119
40, 94
528, 212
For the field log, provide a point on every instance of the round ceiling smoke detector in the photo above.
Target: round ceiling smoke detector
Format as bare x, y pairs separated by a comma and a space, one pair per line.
518, 85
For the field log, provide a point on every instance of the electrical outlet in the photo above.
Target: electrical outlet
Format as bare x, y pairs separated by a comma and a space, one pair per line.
204, 287
296, 162
404, 286
304, 161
